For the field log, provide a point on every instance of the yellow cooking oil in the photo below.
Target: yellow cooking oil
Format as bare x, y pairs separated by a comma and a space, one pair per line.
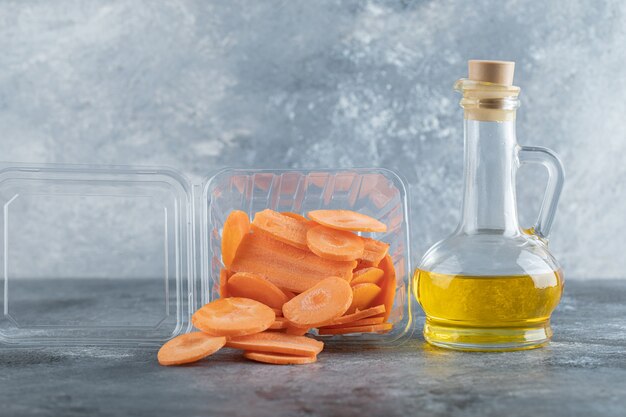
488, 312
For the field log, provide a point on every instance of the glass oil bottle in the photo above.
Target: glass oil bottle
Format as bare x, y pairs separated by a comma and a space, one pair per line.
491, 285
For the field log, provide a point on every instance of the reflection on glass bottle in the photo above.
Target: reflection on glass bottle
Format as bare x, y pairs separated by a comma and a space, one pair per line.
491, 285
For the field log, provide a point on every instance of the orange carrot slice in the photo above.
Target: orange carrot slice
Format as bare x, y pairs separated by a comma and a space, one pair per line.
273, 342
282, 323
374, 328
363, 264
363, 322
388, 285
233, 317
333, 244
279, 359
296, 331
367, 275
363, 296
373, 251
188, 348
236, 226
255, 287
288, 294
319, 305
347, 220
285, 266
295, 216
224, 275
284, 228
350, 318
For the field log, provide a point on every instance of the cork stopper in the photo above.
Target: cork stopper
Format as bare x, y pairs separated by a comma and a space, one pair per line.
497, 72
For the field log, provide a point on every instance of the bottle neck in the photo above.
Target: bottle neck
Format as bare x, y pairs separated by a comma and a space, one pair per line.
489, 204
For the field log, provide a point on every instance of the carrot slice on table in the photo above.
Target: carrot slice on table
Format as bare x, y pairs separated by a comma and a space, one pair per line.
279, 359
319, 305
284, 228
363, 322
350, 318
367, 275
374, 328
236, 226
274, 342
233, 316
373, 251
388, 285
255, 287
224, 275
281, 323
347, 220
363, 296
188, 348
285, 266
337, 245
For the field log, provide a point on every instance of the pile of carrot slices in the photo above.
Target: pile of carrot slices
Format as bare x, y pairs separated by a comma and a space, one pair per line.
285, 275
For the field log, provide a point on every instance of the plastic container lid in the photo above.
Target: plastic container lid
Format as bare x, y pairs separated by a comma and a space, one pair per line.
104, 255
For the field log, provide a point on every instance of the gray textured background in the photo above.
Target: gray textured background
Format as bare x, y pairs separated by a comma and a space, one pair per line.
200, 85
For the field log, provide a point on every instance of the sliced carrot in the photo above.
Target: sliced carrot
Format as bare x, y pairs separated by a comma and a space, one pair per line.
347, 220
278, 312
367, 275
374, 250
236, 226
224, 275
277, 343
350, 318
295, 216
233, 316
388, 285
363, 296
287, 267
337, 245
279, 359
255, 287
282, 323
374, 328
296, 331
363, 264
363, 322
188, 348
284, 228
319, 305
288, 294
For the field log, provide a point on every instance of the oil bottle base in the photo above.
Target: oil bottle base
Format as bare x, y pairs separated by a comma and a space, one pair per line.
487, 339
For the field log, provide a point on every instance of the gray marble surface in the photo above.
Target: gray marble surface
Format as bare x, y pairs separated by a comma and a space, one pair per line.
581, 373
198, 85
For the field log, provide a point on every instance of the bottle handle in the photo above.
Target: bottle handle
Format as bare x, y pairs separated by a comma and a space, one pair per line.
556, 178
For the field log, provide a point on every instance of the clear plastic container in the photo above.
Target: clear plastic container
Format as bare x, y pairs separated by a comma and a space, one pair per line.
110, 255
